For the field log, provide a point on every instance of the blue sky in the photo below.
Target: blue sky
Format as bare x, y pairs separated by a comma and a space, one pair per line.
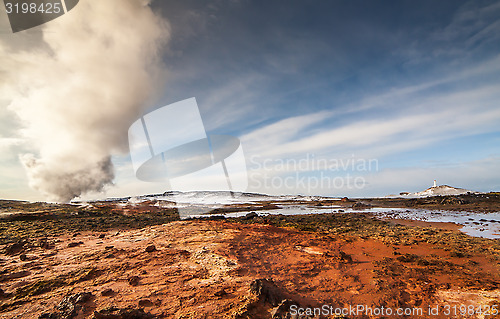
414, 85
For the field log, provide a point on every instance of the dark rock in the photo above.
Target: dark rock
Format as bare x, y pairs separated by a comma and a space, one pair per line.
109, 247
101, 236
269, 294
220, 292
23, 257
345, 257
75, 243
107, 292
216, 217
15, 248
150, 248
145, 303
361, 205
83, 297
454, 200
44, 244
408, 258
267, 291
71, 304
134, 280
127, 313
14, 275
3, 294
457, 254
250, 215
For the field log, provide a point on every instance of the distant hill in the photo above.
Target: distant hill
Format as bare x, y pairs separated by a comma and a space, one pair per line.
443, 190
440, 190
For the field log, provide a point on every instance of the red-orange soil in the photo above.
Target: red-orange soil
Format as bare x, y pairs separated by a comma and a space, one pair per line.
217, 269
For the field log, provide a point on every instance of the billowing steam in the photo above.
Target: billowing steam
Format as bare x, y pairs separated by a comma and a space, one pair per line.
79, 89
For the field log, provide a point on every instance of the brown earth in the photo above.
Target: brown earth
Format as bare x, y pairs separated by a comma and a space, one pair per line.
112, 261
205, 269
419, 223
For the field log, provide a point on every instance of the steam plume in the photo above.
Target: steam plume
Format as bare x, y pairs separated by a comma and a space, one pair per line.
80, 88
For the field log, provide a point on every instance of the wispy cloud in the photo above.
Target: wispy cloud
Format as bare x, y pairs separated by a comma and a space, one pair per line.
422, 119
479, 175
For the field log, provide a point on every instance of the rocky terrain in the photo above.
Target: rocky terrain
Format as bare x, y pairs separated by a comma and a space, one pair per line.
110, 260
480, 202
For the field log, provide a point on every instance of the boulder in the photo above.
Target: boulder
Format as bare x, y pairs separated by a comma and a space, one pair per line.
150, 248
250, 215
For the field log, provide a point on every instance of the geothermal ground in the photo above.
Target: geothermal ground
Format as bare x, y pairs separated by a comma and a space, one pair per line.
114, 260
